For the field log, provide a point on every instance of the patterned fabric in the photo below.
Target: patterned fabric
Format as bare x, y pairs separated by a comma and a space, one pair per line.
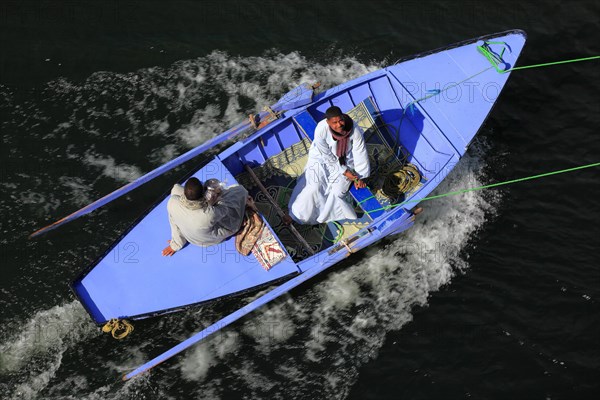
267, 250
287, 164
252, 228
256, 237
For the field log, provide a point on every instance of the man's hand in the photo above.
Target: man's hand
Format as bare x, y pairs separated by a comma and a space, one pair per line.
358, 183
168, 251
349, 175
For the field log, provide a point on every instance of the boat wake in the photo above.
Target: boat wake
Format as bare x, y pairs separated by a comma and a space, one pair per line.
315, 339
31, 354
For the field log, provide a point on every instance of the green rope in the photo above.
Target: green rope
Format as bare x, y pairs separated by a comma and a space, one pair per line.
339, 235
281, 196
496, 60
554, 63
433, 92
340, 232
488, 186
368, 198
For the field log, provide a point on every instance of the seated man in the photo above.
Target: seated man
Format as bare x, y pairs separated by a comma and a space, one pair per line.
204, 214
337, 157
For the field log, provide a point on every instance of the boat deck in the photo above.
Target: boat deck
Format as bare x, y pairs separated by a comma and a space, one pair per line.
134, 279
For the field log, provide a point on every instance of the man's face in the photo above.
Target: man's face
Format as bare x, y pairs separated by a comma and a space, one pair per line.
336, 124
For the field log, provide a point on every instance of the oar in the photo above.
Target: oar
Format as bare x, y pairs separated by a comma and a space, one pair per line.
295, 98
262, 300
149, 176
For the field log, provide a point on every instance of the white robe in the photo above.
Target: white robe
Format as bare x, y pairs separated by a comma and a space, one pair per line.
209, 225
319, 195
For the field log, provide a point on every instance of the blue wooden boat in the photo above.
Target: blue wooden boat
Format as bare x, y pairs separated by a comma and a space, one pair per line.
424, 110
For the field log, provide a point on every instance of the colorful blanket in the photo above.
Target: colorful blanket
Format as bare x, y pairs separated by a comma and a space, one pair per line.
256, 237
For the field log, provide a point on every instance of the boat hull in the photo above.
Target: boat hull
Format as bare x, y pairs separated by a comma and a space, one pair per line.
427, 109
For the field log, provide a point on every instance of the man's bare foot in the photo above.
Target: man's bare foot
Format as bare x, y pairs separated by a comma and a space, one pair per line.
417, 211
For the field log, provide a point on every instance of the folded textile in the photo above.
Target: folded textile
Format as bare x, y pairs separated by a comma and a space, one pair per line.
249, 233
256, 237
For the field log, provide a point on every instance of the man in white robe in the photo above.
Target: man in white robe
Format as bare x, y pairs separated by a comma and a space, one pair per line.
337, 158
198, 217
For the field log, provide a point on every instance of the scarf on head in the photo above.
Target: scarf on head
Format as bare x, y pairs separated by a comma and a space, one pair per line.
342, 139
212, 193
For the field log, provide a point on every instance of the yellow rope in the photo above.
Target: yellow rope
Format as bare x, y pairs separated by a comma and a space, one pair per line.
402, 181
118, 328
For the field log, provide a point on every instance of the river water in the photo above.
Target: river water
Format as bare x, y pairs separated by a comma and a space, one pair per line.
492, 294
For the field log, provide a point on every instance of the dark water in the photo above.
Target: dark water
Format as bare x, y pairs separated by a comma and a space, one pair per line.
491, 295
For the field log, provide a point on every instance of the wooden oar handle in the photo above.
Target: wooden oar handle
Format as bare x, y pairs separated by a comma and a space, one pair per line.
278, 209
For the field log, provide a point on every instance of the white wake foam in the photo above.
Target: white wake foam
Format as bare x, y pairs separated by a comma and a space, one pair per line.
110, 168
340, 323
32, 353
257, 80
335, 325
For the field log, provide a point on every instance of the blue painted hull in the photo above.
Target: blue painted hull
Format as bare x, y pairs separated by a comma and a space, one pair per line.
432, 105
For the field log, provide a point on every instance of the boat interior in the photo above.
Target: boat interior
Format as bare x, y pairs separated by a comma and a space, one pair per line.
393, 137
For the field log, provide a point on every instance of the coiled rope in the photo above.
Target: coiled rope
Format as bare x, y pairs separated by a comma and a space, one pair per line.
119, 328
402, 181
340, 232
488, 186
